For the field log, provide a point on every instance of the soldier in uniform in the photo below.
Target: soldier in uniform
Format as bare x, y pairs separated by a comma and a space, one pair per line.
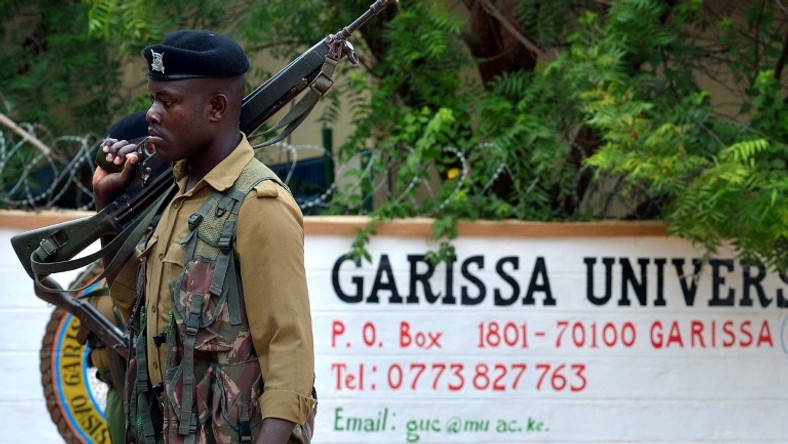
109, 367
224, 335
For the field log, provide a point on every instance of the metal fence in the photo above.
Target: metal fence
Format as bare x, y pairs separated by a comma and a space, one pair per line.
39, 171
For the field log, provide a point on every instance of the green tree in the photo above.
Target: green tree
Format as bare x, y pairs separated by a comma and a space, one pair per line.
54, 73
559, 110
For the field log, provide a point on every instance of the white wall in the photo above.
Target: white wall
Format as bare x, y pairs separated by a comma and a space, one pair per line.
643, 392
23, 318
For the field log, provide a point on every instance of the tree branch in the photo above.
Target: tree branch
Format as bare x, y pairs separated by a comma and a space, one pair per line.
24, 134
778, 67
493, 11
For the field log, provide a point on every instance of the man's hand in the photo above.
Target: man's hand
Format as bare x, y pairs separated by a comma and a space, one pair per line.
106, 185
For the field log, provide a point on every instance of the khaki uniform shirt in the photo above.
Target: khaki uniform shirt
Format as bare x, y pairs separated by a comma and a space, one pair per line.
269, 251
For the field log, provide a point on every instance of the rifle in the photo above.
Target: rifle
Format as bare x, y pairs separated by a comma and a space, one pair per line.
51, 249
110, 335
89, 316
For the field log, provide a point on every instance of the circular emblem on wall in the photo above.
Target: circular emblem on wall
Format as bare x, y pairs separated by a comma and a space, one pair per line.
75, 398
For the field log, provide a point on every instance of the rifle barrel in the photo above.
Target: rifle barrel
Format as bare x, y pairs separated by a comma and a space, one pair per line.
374, 9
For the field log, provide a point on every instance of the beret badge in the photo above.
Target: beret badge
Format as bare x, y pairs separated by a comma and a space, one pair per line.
157, 61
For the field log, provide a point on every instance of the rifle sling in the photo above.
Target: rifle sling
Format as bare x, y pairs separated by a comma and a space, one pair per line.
120, 248
317, 89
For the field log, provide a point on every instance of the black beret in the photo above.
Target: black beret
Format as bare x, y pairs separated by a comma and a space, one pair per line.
130, 127
189, 53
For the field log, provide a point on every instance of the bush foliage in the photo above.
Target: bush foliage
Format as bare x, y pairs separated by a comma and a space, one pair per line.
536, 110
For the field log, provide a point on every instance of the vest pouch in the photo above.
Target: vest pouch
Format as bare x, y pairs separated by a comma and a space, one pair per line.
236, 412
205, 346
202, 396
223, 411
195, 308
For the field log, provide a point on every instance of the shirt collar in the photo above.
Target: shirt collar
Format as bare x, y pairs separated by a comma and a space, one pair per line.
224, 174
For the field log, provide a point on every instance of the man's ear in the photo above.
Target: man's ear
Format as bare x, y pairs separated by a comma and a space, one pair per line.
218, 106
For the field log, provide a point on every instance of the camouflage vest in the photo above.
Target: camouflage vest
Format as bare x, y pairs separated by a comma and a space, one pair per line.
212, 375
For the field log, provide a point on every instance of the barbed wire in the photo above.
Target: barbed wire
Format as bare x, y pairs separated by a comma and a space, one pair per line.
34, 179
31, 178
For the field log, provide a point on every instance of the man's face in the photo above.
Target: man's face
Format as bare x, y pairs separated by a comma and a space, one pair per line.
178, 118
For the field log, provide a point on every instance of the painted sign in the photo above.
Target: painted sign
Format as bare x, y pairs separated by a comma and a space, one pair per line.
76, 398
546, 339
533, 333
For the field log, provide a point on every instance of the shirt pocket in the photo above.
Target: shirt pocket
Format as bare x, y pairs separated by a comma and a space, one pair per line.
172, 262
